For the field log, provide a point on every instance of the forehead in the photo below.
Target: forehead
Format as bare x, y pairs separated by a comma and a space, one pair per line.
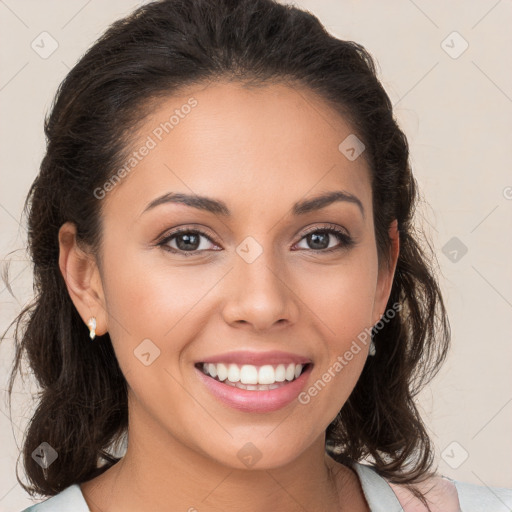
261, 147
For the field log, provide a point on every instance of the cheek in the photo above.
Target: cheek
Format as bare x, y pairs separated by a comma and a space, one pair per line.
342, 302
341, 296
147, 295
151, 314
150, 298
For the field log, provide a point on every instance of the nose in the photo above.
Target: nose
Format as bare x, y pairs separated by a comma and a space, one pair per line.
259, 294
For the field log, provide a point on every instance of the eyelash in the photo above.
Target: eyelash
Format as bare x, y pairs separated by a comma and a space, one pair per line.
346, 240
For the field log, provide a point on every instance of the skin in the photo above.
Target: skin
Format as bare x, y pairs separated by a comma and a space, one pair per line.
259, 151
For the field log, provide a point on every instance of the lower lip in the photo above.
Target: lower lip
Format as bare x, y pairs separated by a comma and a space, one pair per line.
256, 401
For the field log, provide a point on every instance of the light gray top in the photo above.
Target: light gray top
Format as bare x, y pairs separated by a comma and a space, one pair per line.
378, 493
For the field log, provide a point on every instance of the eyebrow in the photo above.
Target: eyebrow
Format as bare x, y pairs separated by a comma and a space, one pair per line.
218, 207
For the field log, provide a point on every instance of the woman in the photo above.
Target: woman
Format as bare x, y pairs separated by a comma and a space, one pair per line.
228, 277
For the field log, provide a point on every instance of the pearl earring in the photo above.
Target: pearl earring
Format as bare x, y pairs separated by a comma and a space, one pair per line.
92, 327
372, 349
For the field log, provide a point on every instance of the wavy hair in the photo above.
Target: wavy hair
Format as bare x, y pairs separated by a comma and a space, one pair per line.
146, 57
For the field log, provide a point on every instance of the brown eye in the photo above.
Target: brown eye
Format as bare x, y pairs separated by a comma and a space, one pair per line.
188, 241
318, 239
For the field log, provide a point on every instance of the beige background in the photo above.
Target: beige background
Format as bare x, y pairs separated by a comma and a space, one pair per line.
456, 113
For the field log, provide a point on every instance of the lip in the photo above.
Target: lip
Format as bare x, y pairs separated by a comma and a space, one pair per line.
255, 401
241, 357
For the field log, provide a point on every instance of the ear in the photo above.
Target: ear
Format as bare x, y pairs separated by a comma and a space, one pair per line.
82, 278
386, 274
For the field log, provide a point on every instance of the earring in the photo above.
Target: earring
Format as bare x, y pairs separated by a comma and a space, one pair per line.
92, 327
372, 350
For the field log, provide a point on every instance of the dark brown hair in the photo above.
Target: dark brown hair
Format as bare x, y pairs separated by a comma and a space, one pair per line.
147, 56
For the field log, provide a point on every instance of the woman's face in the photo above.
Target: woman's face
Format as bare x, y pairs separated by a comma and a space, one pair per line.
245, 284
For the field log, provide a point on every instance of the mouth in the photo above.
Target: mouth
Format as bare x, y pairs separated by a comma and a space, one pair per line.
252, 377
252, 388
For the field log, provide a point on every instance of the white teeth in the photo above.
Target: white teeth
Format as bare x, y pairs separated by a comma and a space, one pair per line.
233, 373
252, 387
222, 371
212, 370
280, 373
290, 372
266, 375
250, 376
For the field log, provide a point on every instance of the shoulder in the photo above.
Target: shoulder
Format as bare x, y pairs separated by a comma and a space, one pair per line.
68, 499
446, 495
440, 493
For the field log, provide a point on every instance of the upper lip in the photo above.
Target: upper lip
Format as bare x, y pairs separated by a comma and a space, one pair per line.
241, 357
